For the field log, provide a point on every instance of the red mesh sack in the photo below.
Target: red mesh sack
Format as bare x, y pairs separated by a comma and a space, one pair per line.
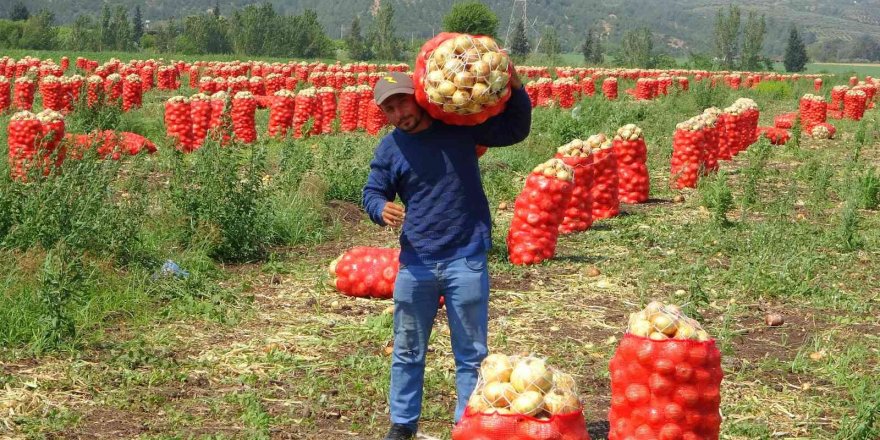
23, 93
146, 74
633, 183
462, 79
749, 120
244, 108
579, 210
178, 122
812, 110
132, 93
327, 98
365, 272
854, 103
113, 87
817, 84
823, 131
305, 104
776, 136
257, 86
687, 153
532, 91
349, 101
785, 120
837, 95
609, 88
711, 140
538, 212
643, 89
200, 109
605, 192
665, 386
545, 91
221, 124
5, 94
375, 117
563, 90
365, 100
522, 398
683, 83
588, 86
52, 90
281, 113
22, 135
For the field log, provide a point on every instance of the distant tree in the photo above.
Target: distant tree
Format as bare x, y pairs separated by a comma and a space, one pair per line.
753, 41
592, 48
727, 35
700, 61
638, 48
19, 12
204, 34
382, 39
864, 48
137, 25
251, 27
39, 32
471, 17
106, 32
120, 29
166, 37
550, 45
216, 10
354, 42
587, 46
519, 43
84, 34
795, 59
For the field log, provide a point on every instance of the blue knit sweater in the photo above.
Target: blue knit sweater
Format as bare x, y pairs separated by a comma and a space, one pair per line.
436, 175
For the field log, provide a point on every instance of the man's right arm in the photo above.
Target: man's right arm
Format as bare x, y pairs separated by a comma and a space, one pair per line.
380, 187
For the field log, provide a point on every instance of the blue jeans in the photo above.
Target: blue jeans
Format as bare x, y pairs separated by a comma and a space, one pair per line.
465, 284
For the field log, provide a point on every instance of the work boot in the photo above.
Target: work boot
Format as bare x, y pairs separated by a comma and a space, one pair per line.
400, 432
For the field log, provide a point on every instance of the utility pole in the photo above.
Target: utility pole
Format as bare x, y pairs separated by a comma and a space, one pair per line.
521, 5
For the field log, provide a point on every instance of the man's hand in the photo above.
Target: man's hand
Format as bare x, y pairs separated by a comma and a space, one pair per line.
393, 214
515, 82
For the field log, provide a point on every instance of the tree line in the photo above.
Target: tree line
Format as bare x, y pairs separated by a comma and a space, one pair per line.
258, 30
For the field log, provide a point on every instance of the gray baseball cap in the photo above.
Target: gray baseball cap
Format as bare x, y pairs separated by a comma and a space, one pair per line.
392, 84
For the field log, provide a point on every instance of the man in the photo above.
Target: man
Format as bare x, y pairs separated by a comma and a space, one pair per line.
446, 235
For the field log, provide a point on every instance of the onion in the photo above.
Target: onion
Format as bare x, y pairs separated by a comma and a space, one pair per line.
499, 394
480, 69
529, 403
486, 44
332, 268
479, 92
443, 52
563, 381
561, 402
685, 331
434, 95
497, 80
461, 97
451, 67
641, 327
496, 368
463, 79
478, 403
435, 77
493, 59
657, 336
446, 88
665, 323
532, 374
462, 43
471, 55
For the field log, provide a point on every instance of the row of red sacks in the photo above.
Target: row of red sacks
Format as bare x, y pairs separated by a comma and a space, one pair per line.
33, 140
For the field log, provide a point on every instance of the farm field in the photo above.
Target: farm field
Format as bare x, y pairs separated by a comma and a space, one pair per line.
253, 343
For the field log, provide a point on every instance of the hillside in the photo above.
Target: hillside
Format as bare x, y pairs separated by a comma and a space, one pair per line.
682, 25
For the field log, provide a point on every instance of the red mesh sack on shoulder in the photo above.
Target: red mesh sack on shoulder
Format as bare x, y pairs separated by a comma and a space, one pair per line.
366, 272
449, 86
665, 387
632, 164
579, 210
538, 212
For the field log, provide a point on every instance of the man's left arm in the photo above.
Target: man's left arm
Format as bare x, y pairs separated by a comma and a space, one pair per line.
513, 124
